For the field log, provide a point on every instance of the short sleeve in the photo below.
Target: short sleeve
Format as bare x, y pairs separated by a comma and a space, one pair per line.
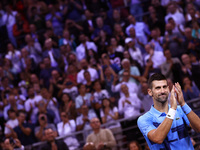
115, 109
145, 124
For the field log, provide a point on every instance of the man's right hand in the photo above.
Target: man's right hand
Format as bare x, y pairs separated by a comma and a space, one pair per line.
173, 100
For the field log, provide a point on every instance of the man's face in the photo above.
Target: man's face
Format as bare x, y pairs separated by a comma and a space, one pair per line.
159, 91
50, 135
95, 123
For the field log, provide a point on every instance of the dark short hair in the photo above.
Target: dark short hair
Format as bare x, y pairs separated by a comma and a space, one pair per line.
156, 76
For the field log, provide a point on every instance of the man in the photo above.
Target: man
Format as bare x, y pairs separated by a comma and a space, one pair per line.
51, 142
102, 138
164, 126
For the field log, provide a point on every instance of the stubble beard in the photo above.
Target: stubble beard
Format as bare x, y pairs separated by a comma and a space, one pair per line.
162, 100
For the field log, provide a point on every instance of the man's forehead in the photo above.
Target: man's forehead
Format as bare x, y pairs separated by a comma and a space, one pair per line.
157, 83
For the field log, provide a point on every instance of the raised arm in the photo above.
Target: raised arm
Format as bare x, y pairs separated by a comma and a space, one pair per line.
192, 117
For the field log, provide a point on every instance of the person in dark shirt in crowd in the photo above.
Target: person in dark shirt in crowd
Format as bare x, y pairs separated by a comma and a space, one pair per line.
24, 131
51, 142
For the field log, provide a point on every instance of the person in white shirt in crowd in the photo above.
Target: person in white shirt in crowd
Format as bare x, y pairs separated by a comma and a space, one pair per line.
67, 127
132, 86
141, 29
133, 70
83, 98
8, 19
83, 121
51, 103
85, 66
129, 106
34, 48
31, 102
134, 51
12, 104
156, 40
175, 13
11, 123
14, 56
52, 53
157, 57
84, 46
70, 88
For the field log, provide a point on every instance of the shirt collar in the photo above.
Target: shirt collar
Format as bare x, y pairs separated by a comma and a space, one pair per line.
157, 113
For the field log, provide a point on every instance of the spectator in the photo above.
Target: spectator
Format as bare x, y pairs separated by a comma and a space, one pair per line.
45, 73
65, 128
140, 27
83, 121
24, 130
20, 28
11, 123
31, 102
134, 145
34, 48
52, 53
175, 14
89, 146
84, 46
172, 67
12, 144
50, 104
89, 22
56, 18
83, 98
134, 51
68, 106
173, 41
14, 56
119, 34
12, 104
157, 57
105, 138
89, 83
84, 66
50, 136
43, 124
136, 9
133, 71
100, 26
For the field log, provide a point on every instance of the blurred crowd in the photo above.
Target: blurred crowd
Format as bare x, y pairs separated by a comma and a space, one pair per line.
64, 62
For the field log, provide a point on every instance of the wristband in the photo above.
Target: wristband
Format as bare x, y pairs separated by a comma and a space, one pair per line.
171, 114
186, 109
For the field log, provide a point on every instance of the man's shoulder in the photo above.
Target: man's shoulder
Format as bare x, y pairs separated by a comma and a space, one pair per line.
148, 115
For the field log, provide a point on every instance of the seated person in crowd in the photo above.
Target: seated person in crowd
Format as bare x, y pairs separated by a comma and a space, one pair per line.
43, 124
102, 138
50, 135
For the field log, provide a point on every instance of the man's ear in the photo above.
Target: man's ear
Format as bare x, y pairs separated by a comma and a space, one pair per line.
149, 92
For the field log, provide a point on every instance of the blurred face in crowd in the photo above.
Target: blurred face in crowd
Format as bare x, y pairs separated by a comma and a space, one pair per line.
82, 38
106, 103
12, 100
126, 76
188, 33
124, 89
167, 54
82, 89
172, 8
64, 117
47, 62
34, 78
31, 92
133, 146
168, 27
126, 65
131, 19
65, 98
126, 54
99, 22
48, 43
28, 38
50, 135
84, 109
66, 34
87, 76
21, 117
24, 53
132, 32
97, 86
95, 123
116, 14
55, 74
185, 59
118, 28
84, 64
32, 28
10, 47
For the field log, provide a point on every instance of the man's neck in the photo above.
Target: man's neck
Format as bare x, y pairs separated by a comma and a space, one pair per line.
162, 107
96, 131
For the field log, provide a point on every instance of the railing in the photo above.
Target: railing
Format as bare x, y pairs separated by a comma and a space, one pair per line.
124, 143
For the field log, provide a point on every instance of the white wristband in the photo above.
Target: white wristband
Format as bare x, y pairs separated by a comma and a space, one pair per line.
171, 114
